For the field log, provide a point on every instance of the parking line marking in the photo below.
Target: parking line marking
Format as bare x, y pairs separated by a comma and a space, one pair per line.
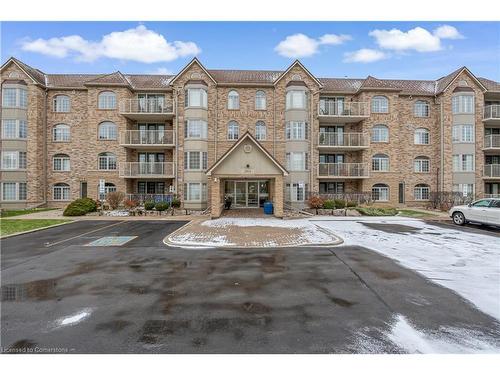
83, 234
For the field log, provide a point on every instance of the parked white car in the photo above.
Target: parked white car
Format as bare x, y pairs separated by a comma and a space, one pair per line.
483, 211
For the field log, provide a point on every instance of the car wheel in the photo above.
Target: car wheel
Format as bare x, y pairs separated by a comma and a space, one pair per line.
458, 218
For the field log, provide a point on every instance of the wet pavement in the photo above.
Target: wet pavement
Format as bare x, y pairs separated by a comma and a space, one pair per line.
62, 296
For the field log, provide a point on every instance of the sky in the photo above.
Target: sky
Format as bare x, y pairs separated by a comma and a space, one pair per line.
399, 50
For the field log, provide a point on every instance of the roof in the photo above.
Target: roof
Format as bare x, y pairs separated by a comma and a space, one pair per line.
245, 76
490, 85
113, 79
347, 85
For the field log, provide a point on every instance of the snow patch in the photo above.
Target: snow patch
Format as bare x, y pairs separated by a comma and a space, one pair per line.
73, 319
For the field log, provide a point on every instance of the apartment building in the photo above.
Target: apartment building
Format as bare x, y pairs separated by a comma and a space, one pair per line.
254, 135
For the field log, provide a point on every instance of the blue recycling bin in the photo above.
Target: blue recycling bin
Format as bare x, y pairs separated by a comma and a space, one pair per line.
268, 208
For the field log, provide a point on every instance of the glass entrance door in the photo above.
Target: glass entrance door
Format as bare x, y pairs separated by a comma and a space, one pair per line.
240, 192
251, 194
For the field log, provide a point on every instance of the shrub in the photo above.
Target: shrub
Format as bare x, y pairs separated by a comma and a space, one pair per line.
88, 203
176, 203
315, 202
351, 204
162, 206
115, 198
149, 205
130, 203
376, 211
80, 207
329, 204
339, 203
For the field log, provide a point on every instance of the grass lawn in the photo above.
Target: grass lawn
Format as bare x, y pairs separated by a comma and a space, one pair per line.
11, 226
10, 213
416, 214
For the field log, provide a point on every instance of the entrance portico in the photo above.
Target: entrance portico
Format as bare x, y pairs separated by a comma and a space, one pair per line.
249, 174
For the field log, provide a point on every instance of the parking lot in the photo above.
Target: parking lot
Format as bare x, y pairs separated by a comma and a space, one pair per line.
62, 293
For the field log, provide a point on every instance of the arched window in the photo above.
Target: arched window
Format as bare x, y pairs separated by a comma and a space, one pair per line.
233, 131
107, 161
107, 100
422, 164
260, 130
107, 130
260, 100
421, 192
61, 192
380, 192
422, 136
108, 188
60, 162
380, 104
380, 133
61, 103
61, 133
380, 163
422, 108
233, 100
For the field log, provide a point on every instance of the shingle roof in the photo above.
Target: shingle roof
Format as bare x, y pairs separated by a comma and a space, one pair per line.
70, 80
36, 74
372, 82
149, 81
416, 87
442, 82
245, 76
346, 85
115, 78
490, 85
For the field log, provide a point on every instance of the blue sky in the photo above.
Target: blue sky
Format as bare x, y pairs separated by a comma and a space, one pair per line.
411, 50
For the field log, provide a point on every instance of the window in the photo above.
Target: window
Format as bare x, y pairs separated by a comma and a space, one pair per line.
13, 160
421, 136
296, 99
61, 133
107, 130
14, 129
14, 191
380, 193
380, 163
260, 130
296, 130
195, 160
107, 161
482, 203
462, 104
464, 189
195, 192
297, 161
108, 188
463, 133
196, 129
61, 192
463, 163
60, 162
380, 133
296, 191
61, 103
233, 100
380, 104
421, 164
196, 98
260, 100
233, 131
421, 108
107, 100
14, 97
421, 192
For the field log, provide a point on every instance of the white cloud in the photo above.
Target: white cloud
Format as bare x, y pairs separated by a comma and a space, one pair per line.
300, 45
447, 32
417, 39
138, 44
364, 55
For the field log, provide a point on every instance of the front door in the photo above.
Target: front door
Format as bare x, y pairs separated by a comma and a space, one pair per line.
240, 194
253, 194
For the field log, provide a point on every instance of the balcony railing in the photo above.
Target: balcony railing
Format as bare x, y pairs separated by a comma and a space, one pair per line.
141, 198
147, 137
491, 195
492, 141
491, 170
343, 140
491, 112
147, 169
352, 170
147, 106
342, 109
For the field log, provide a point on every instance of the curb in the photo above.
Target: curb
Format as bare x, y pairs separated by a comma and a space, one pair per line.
37, 229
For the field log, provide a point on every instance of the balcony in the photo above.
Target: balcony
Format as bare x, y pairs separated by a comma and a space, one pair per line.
147, 170
147, 109
491, 114
342, 112
343, 141
147, 139
343, 170
492, 171
491, 143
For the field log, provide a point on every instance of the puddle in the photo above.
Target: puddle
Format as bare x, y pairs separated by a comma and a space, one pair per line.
113, 326
73, 319
391, 228
342, 302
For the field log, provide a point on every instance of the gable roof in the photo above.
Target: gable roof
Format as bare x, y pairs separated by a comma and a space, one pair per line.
36, 75
112, 79
490, 85
375, 83
193, 61
245, 76
297, 62
245, 136
443, 83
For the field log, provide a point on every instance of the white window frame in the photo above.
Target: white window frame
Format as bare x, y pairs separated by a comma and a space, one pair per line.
108, 188
193, 157
109, 159
20, 98
422, 109
462, 104
422, 136
61, 163
296, 191
109, 131
260, 131
463, 133
106, 100
380, 133
62, 104
296, 99
297, 161
381, 191
196, 129
17, 191
19, 130
421, 165
233, 131
196, 98
61, 192
464, 189
233, 100
380, 104
463, 163
296, 130
260, 100
201, 193
380, 163
421, 192
17, 160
